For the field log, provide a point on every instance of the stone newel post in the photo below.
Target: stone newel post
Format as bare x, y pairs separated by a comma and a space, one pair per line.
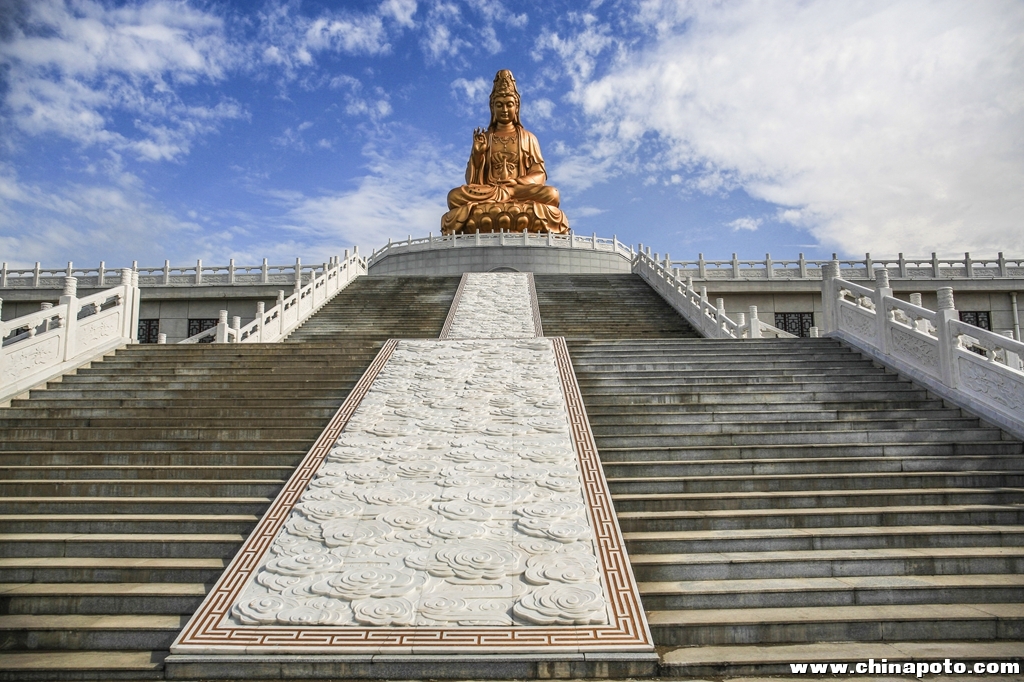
69, 301
947, 344
882, 289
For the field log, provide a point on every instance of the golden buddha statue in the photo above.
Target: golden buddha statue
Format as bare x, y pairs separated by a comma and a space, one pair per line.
505, 178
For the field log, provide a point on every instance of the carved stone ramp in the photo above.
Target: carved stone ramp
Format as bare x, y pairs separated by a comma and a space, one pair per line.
452, 521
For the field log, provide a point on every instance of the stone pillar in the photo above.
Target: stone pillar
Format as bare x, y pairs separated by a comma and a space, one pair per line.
69, 301
222, 327
948, 370
755, 323
882, 290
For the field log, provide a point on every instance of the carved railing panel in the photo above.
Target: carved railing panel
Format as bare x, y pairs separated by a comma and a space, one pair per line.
980, 369
43, 345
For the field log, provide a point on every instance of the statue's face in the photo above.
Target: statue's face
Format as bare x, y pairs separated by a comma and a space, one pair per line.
504, 109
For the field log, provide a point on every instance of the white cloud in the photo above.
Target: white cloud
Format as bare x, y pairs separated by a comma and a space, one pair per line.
374, 104
291, 40
403, 193
471, 96
879, 126
90, 222
72, 67
747, 223
448, 32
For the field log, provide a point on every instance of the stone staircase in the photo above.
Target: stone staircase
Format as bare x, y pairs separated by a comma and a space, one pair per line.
127, 487
383, 308
606, 307
778, 494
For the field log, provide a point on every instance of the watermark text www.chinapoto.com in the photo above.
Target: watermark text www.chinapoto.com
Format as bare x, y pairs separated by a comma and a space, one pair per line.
916, 668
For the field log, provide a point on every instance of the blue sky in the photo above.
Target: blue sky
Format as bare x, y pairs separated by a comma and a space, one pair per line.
188, 129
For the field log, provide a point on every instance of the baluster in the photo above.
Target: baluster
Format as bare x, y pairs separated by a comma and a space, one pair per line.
199, 271
231, 271
167, 273
803, 267
101, 278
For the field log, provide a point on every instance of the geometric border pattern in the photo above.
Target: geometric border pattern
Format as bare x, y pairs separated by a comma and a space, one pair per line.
209, 632
454, 307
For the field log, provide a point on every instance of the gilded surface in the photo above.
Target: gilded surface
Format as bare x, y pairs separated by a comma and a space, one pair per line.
506, 182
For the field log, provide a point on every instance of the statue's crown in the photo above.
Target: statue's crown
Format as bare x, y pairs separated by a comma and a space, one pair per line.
504, 84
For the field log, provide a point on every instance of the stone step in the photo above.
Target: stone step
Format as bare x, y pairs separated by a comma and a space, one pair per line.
657, 414
816, 517
185, 444
241, 524
819, 563
828, 538
286, 459
47, 400
168, 413
651, 470
95, 632
143, 472
850, 437
818, 499
806, 450
141, 487
167, 545
771, 482
100, 598
47, 665
134, 505
646, 397
838, 623
202, 570
687, 430
771, 411
262, 432
829, 591
810, 389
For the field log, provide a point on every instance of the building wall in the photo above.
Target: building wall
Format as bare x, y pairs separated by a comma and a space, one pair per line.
540, 260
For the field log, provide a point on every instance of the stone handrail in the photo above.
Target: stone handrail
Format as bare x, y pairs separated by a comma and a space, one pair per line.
520, 239
43, 345
803, 269
166, 275
271, 326
694, 306
970, 366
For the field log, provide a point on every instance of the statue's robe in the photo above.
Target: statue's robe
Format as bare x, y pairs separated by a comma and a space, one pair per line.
483, 188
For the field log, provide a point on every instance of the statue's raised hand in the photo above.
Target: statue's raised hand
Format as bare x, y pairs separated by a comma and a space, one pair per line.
479, 141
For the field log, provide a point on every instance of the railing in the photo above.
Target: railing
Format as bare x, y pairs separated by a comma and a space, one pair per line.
520, 239
273, 325
178, 276
43, 345
974, 367
710, 320
803, 269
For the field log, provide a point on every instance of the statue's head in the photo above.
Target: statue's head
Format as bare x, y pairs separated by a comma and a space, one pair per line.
504, 98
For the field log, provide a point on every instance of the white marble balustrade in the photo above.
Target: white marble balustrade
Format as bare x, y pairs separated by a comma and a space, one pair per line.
973, 367
43, 345
271, 326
